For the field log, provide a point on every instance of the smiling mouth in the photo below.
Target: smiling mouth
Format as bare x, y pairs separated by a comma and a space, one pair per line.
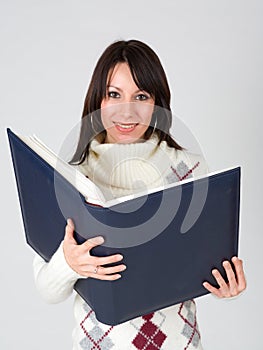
127, 127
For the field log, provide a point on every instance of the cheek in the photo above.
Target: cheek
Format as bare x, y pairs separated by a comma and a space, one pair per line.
146, 113
105, 118
106, 113
104, 103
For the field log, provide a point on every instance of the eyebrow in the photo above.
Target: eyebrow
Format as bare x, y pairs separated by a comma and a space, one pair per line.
119, 89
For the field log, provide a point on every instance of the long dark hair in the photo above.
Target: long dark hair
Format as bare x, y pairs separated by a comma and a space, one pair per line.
148, 75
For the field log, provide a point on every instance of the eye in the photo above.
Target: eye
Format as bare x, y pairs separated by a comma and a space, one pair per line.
113, 94
142, 97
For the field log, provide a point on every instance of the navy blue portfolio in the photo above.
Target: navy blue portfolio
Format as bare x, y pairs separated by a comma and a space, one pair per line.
171, 239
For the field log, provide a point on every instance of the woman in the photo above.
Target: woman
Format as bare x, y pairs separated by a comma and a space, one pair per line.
127, 116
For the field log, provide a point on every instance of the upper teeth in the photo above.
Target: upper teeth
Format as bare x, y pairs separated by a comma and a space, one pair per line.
125, 126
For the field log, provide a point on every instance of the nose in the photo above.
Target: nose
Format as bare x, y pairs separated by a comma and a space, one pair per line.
126, 109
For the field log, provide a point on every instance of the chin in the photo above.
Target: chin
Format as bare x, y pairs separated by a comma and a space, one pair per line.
124, 138
129, 140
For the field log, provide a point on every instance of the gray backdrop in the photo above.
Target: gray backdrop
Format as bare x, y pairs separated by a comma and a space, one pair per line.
212, 54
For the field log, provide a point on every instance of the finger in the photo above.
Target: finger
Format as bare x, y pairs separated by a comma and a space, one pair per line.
110, 270
240, 274
69, 231
89, 271
70, 223
105, 260
221, 282
92, 242
232, 282
105, 277
212, 289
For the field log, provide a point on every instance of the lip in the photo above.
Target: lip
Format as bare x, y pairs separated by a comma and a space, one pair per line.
125, 127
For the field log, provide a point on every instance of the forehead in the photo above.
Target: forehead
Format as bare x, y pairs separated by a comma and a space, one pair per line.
120, 74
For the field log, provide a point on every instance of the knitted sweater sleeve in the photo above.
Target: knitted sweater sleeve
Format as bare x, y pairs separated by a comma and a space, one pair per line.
54, 280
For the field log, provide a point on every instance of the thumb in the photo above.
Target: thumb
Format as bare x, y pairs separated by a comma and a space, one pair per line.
69, 231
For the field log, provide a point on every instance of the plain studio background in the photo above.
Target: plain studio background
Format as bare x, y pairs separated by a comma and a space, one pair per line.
212, 54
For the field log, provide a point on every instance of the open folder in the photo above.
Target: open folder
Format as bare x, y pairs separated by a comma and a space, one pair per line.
170, 238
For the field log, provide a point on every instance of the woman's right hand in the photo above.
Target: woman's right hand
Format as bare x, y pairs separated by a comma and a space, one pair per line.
81, 261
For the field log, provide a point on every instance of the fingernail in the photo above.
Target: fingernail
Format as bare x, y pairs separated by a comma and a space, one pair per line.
120, 257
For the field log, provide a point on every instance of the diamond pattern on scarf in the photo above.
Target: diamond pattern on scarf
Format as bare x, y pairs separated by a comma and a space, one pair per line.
190, 330
181, 172
150, 336
96, 338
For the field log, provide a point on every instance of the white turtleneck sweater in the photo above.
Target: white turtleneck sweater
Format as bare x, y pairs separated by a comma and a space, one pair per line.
121, 169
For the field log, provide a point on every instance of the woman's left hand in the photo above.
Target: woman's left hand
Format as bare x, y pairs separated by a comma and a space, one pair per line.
236, 280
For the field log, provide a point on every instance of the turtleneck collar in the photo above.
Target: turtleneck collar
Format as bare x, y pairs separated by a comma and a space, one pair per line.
122, 169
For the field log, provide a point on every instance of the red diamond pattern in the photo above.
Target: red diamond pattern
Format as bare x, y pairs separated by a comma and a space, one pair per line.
149, 337
189, 172
194, 335
96, 337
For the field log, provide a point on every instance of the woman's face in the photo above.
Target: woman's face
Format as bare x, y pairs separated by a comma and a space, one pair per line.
126, 111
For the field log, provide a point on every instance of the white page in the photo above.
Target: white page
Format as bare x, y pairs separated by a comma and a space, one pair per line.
84, 185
